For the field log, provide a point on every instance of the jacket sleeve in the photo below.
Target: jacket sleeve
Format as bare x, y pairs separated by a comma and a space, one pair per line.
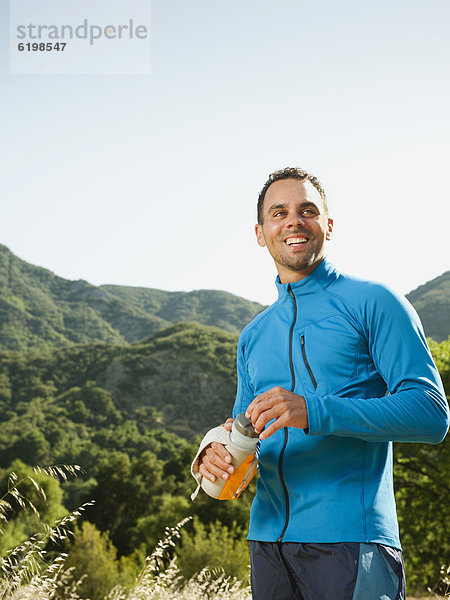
415, 408
244, 392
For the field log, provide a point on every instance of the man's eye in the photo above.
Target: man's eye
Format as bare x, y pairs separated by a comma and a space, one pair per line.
309, 212
279, 213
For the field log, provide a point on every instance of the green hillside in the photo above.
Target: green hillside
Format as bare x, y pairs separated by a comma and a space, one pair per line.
432, 302
182, 379
128, 415
41, 311
209, 307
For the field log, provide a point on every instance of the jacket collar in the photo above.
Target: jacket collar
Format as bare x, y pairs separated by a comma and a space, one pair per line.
318, 279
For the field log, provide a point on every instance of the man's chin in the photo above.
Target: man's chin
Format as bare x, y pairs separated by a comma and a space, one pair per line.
301, 265
304, 263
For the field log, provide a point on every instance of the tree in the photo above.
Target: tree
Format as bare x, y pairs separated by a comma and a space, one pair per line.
127, 489
213, 546
149, 528
93, 558
422, 476
23, 524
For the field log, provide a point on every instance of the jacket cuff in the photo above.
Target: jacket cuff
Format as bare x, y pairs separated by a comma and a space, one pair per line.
313, 415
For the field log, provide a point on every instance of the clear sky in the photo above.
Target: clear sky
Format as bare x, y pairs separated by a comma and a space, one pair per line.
152, 180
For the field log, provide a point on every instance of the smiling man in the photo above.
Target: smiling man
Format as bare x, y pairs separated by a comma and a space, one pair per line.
333, 372
293, 223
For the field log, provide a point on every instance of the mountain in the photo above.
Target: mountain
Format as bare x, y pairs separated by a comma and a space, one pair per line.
39, 310
208, 307
432, 302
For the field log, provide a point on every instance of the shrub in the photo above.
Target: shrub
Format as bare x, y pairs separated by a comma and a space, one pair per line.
214, 546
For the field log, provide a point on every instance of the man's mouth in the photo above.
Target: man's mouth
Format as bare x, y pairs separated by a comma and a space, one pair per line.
297, 240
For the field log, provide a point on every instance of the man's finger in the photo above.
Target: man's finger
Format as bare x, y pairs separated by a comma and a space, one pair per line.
265, 417
212, 464
273, 428
228, 424
271, 396
263, 406
211, 471
221, 451
254, 403
215, 461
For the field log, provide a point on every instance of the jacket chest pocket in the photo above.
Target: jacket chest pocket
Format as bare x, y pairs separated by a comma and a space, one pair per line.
328, 354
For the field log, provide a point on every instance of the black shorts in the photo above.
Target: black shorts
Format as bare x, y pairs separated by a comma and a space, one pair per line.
342, 571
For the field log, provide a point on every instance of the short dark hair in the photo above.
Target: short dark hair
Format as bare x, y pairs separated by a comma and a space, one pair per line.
288, 173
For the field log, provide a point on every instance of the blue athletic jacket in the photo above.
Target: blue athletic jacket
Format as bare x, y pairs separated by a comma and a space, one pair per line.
358, 355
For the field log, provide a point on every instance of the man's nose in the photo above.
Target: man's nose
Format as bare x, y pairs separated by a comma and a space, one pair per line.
295, 219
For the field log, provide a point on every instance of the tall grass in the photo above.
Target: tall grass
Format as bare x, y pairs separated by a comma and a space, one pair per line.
28, 573
160, 579
443, 584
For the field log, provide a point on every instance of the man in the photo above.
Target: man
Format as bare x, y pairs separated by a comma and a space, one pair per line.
330, 374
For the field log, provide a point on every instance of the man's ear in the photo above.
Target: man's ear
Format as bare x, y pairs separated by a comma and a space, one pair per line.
330, 229
260, 235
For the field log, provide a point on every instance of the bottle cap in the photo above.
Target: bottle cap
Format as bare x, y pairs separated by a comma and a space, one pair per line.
244, 426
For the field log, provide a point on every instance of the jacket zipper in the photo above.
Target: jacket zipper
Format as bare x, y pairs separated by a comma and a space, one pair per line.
305, 360
280, 462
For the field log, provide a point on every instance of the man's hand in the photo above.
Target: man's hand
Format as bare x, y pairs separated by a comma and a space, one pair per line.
215, 460
288, 410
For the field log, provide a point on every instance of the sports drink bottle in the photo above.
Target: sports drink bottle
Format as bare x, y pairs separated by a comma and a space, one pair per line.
241, 444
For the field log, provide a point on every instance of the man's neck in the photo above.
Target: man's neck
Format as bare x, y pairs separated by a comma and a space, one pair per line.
291, 276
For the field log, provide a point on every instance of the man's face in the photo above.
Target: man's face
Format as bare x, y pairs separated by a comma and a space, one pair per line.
295, 227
